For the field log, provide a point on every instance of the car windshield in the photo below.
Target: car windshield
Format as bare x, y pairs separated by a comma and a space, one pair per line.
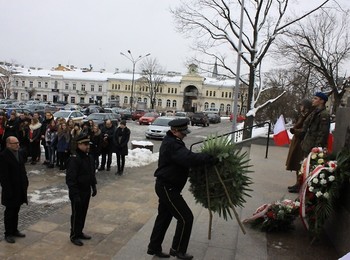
96, 117
61, 114
162, 121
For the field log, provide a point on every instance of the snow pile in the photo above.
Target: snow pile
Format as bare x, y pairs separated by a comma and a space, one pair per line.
49, 196
139, 157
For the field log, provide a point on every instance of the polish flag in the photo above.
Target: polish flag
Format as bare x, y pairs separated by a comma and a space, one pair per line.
280, 135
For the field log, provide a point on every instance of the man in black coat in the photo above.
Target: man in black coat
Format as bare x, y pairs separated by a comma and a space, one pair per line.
14, 182
121, 138
172, 173
107, 145
81, 180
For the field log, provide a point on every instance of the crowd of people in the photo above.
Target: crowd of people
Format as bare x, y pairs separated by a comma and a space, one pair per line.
58, 138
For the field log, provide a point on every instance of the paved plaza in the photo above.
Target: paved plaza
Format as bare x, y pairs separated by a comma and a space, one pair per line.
121, 217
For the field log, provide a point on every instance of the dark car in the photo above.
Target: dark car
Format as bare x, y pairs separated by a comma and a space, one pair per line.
199, 118
126, 114
214, 118
100, 118
137, 114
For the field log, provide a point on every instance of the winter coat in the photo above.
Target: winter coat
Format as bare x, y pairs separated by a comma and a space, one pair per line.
96, 143
175, 160
316, 130
11, 128
73, 140
295, 154
51, 137
108, 132
80, 174
35, 132
63, 141
120, 139
13, 178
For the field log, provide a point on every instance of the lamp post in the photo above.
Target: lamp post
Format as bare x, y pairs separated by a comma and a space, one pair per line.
131, 58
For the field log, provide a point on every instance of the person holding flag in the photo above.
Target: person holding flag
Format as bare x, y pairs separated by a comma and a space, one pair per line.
295, 154
280, 135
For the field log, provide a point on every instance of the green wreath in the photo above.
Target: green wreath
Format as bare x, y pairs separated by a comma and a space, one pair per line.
222, 187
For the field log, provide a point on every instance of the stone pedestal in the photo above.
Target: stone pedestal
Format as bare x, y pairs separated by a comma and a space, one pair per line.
338, 226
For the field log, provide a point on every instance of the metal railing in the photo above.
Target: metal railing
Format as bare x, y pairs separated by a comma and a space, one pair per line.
239, 134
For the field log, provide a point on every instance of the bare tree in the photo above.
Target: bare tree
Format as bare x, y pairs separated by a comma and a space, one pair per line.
322, 43
6, 72
214, 25
152, 78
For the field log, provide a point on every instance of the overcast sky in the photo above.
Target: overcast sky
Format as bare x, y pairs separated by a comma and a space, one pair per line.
44, 33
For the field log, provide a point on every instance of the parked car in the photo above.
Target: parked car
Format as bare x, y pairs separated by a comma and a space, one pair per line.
159, 127
100, 118
184, 115
240, 118
148, 118
137, 114
214, 118
92, 109
77, 116
72, 107
126, 114
199, 118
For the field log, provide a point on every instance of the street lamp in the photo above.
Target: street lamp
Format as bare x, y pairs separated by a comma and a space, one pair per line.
134, 61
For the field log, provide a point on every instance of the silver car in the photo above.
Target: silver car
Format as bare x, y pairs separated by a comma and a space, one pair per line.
159, 127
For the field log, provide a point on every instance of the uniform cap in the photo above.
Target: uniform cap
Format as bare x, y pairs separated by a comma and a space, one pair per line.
82, 138
180, 125
322, 96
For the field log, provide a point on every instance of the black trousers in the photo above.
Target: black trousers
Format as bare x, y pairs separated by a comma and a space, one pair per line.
120, 162
106, 155
171, 204
78, 217
11, 220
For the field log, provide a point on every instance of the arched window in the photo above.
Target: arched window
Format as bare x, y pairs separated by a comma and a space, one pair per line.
112, 97
145, 100
159, 102
228, 107
125, 100
174, 103
139, 99
168, 103
117, 98
212, 105
206, 105
222, 107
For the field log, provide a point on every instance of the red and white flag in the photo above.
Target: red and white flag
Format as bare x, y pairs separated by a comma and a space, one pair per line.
280, 135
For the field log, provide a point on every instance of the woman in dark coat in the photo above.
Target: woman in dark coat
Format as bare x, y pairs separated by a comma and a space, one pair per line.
295, 153
96, 144
34, 135
121, 138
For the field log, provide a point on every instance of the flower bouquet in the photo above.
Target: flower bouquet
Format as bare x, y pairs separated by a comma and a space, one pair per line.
278, 216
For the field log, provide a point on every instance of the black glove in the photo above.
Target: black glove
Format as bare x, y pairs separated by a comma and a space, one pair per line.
292, 131
94, 191
213, 160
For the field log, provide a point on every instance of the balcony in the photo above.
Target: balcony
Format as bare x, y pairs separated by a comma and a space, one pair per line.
81, 92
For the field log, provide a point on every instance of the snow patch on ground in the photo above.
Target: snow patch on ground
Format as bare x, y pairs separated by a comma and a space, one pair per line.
49, 196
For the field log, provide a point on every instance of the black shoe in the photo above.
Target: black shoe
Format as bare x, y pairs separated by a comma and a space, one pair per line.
101, 169
76, 241
10, 239
50, 166
180, 255
108, 169
292, 187
84, 236
294, 190
33, 162
19, 234
159, 254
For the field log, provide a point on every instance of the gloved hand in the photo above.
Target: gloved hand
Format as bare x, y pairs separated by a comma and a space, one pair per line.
213, 160
292, 131
94, 191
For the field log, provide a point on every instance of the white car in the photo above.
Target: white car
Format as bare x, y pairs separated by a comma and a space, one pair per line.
159, 127
77, 116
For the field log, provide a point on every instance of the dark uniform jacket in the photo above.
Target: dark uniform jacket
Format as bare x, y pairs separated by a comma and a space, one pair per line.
121, 138
80, 174
109, 131
316, 130
13, 178
175, 160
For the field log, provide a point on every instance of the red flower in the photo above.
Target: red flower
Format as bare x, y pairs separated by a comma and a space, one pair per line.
270, 214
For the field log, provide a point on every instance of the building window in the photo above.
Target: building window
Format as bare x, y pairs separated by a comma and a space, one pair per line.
207, 93
93, 87
100, 88
222, 107
214, 93
16, 83
66, 86
82, 99
138, 99
118, 86
23, 83
225, 94
210, 93
145, 100
239, 94
168, 90
159, 102
174, 103
222, 94
206, 105
230, 95
176, 91
125, 100
244, 110
212, 105
74, 86
168, 103
83, 88
56, 84
72, 100
228, 107
161, 90
39, 84
44, 97
117, 98
46, 84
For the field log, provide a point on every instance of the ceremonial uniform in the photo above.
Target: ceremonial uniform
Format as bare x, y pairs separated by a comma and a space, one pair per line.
172, 173
80, 179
